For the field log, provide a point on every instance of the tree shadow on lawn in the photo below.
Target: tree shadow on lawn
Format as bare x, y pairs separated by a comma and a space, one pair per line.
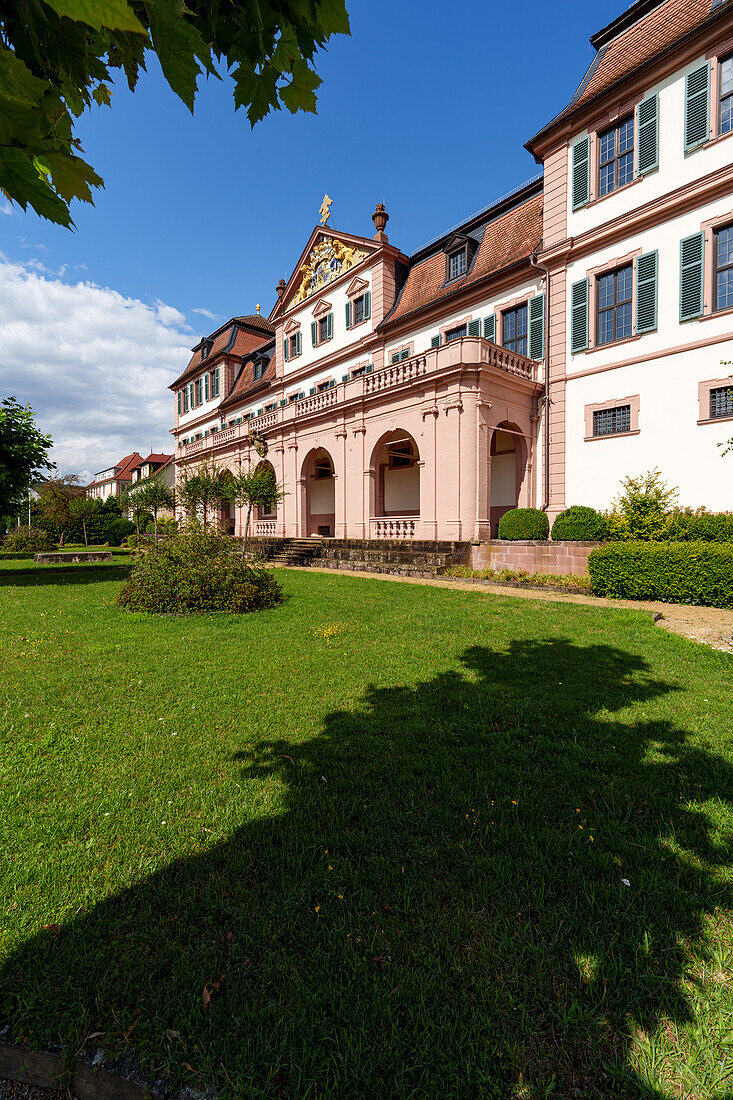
440, 910
78, 574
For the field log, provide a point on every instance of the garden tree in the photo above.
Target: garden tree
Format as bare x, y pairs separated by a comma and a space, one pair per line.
82, 509
132, 504
644, 504
203, 488
23, 452
253, 488
54, 502
59, 58
155, 494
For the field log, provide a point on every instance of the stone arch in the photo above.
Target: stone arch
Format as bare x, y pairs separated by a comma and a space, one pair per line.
508, 468
395, 476
318, 493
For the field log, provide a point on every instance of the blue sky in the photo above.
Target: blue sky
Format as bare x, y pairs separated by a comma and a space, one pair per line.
425, 107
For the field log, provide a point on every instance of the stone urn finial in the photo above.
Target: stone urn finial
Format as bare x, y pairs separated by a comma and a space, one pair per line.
281, 288
380, 217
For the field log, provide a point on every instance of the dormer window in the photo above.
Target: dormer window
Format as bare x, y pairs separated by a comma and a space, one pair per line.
206, 348
459, 253
259, 368
457, 264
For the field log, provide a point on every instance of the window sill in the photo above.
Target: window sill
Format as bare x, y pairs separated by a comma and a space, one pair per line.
714, 313
610, 435
322, 342
357, 324
716, 419
612, 344
616, 191
714, 140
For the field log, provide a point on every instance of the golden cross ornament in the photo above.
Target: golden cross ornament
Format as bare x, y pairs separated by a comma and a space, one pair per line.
325, 210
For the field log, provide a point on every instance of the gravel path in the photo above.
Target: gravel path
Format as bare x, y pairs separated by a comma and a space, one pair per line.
13, 1090
712, 626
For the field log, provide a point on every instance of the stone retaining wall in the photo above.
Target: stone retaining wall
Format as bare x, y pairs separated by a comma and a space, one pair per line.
560, 558
75, 556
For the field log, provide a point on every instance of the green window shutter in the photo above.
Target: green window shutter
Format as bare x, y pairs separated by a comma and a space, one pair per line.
369, 368
329, 326
206, 386
537, 327
474, 327
490, 327
646, 292
348, 314
216, 382
314, 333
367, 305
298, 343
692, 266
697, 95
285, 348
405, 353
395, 357
312, 391
581, 173
579, 316
648, 119
435, 342
180, 403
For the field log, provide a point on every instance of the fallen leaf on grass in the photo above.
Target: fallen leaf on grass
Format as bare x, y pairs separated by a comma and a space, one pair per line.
210, 990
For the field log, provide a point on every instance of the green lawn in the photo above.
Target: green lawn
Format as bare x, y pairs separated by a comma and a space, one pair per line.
412, 842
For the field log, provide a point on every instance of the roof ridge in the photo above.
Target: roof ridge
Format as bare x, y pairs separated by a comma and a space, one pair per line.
532, 181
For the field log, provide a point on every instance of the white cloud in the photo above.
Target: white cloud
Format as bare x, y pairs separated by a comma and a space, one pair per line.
5, 207
207, 313
94, 365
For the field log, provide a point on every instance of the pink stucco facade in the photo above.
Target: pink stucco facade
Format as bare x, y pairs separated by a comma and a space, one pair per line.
409, 448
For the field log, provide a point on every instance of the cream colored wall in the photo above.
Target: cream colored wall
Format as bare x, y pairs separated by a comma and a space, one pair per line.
676, 168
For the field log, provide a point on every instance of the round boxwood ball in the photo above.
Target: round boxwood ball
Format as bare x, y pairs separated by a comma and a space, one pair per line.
524, 523
580, 524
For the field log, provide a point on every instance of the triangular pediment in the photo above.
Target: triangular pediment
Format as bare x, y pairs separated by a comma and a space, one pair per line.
292, 326
321, 306
328, 255
356, 286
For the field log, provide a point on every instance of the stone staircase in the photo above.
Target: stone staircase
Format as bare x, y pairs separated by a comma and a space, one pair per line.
297, 551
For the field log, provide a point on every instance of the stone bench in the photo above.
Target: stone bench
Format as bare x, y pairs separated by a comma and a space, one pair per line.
77, 556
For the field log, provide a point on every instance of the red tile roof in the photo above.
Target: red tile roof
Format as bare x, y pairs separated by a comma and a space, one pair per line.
639, 44
233, 339
509, 238
631, 49
246, 382
157, 458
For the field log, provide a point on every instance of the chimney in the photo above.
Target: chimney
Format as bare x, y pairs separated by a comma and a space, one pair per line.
380, 217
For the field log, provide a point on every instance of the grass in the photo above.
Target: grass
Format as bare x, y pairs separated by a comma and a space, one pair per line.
384, 840
523, 576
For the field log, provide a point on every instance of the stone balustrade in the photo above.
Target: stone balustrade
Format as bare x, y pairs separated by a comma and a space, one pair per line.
471, 351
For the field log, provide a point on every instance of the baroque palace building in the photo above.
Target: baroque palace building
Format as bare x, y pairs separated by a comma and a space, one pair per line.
576, 331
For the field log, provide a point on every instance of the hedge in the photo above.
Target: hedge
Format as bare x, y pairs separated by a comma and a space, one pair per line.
673, 572
580, 524
524, 523
701, 526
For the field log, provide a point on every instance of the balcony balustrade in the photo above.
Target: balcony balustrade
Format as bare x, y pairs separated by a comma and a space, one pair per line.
471, 351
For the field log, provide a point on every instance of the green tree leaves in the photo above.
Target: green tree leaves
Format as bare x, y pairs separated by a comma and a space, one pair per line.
57, 58
23, 453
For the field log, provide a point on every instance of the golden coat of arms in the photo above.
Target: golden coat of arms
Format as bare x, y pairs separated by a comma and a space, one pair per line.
329, 259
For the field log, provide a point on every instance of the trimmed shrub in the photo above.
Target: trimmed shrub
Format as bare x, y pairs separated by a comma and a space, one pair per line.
674, 572
580, 524
197, 571
118, 531
32, 539
700, 526
524, 523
